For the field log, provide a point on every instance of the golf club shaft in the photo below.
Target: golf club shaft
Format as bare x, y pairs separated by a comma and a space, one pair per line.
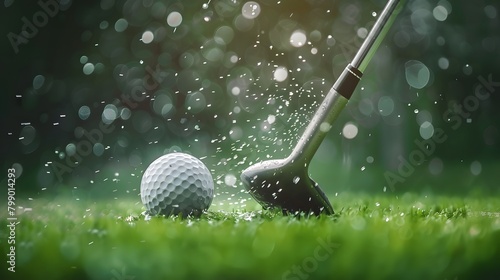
339, 94
376, 35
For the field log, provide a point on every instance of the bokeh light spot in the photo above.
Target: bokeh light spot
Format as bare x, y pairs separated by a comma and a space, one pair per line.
280, 74
443, 63
365, 106
19, 169
436, 166
350, 130
27, 135
174, 19
362, 32
467, 69
38, 81
147, 37
426, 130
84, 112
98, 149
385, 106
195, 102
84, 59
250, 10
476, 168
88, 68
417, 74
440, 13
70, 149
109, 114
230, 180
224, 35
121, 25
490, 11
298, 38
424, 116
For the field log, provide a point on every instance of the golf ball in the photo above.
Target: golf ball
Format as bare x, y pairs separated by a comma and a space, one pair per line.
177, 183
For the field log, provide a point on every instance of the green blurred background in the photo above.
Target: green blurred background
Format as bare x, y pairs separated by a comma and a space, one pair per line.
235, 82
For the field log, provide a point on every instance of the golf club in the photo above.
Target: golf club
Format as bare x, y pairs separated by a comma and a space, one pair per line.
285, 183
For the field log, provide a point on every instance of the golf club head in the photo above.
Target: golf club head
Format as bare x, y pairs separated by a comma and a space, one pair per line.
286, 185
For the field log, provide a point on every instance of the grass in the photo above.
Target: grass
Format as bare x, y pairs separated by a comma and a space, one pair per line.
370, 237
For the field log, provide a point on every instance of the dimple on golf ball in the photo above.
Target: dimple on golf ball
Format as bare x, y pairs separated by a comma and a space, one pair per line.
177, 183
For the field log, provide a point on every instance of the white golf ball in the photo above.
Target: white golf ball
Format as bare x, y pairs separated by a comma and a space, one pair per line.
177, 183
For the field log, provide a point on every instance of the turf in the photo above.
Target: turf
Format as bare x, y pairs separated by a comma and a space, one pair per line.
370, 237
